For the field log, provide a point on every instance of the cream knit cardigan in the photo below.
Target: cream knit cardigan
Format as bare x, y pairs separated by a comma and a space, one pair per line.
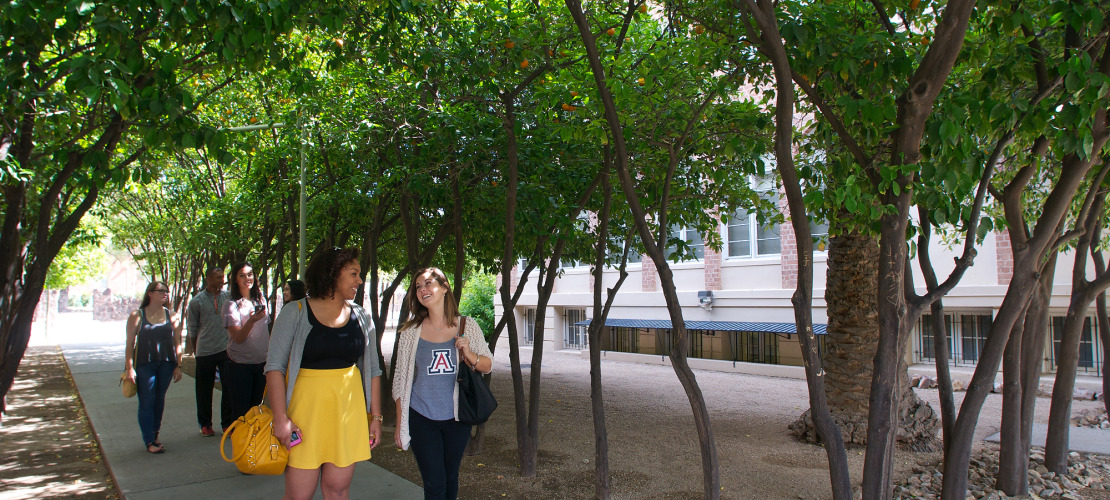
406, 368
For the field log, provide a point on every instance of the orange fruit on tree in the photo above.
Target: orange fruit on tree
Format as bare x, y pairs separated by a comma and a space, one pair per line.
643, 8
699, 29
509, 44
254, 119
914, 4
574, 93
611, 31
339, 42
524, 64
550, 53
566, 107
641, 80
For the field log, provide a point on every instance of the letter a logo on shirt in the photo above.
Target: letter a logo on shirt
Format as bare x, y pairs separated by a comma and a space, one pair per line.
441, 363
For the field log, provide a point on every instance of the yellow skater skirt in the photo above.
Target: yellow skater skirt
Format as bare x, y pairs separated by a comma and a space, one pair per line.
330, 408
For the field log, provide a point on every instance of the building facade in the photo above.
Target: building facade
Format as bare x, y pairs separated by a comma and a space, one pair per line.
736, 304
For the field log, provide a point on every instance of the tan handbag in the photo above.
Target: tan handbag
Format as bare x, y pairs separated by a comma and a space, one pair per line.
129, 388
255, 449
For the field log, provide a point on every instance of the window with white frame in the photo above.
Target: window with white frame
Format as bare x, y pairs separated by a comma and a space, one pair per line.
634, 257
695, 247
819, 230
747, 237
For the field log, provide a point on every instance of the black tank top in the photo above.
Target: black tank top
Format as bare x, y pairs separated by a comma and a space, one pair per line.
328, 348
154, 342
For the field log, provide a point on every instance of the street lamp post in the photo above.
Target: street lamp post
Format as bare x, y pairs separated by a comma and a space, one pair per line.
303, 197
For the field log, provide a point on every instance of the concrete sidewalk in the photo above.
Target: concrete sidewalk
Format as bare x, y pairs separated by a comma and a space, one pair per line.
191, 468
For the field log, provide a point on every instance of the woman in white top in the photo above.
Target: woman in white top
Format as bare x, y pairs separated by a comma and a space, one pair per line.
246, 320
430, 346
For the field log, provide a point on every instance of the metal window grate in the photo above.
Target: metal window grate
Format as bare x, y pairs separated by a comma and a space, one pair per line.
966, 335
529, 326
1090, 346
574, 336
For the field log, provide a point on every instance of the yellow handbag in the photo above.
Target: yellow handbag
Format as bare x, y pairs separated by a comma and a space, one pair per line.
129, 388
255, 449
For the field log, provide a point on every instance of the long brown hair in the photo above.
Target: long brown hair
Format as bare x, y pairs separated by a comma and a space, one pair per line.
418, 311
150, 288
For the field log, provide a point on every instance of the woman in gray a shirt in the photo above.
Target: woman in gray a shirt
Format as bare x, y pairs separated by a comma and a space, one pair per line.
246, 320
431, 345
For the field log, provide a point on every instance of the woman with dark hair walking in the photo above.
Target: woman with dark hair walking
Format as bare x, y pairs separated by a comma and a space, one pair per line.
430, 347
152, 359
292, 290
246, 320
324, 379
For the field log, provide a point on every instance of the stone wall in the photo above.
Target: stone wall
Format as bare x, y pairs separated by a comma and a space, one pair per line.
107, 307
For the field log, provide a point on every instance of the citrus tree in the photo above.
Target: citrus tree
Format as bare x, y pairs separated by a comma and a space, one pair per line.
90, 89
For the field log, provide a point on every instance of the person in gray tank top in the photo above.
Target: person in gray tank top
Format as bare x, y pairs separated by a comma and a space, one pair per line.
152, 359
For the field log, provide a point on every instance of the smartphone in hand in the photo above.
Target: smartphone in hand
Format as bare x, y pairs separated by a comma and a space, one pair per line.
295, 439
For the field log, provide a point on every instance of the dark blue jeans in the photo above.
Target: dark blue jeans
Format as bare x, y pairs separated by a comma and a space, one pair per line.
245, 384
206, 382
438, 446
152, 379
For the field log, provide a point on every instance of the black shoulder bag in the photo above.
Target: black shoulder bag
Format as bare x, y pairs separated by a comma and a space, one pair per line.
476, 401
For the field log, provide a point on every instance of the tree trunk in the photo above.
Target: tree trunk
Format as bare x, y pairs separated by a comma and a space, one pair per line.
853, 329
1013, 459
710, 468
602, 481
1083, 292
1028, 258
1103, 326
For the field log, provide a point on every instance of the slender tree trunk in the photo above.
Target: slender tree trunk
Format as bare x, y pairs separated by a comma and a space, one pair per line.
602, 481
1036, 330
1103, 326
710, 467
1013, 460
1027, 262
1083, 293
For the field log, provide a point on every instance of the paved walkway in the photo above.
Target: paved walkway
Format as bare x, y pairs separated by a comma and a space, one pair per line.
191, 468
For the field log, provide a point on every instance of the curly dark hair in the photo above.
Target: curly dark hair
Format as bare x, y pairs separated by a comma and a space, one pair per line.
323, 271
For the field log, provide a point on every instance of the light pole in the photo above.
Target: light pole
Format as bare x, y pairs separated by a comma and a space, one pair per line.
301, 236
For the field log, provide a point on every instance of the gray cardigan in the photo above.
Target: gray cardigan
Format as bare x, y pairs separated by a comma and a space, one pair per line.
287, 345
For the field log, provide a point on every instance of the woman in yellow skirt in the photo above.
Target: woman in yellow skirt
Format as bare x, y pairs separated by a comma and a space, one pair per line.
323, 378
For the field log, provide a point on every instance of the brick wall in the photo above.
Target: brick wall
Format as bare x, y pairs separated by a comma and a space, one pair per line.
649, 277
1005, 260
712, 269
789, 242
108, 307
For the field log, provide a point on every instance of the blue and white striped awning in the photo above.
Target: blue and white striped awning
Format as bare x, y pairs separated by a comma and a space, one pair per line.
722, 326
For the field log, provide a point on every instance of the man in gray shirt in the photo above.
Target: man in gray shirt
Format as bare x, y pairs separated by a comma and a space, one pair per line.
208, 341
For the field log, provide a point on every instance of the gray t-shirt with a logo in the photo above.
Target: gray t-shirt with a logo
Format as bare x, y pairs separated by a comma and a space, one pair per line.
433, 387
